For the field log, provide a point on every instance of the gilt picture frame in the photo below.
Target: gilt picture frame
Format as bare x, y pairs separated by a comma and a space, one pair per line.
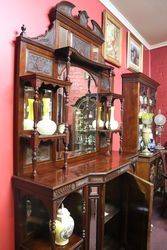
112, 47
134, 53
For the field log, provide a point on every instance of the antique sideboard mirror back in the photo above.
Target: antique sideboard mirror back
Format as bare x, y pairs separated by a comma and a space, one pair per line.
63, 93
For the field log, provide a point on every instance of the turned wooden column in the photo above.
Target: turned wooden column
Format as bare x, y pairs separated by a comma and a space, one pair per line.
66, 127
35, 141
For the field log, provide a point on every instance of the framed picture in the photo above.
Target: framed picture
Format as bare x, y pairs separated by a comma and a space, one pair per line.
113, 39
134, 53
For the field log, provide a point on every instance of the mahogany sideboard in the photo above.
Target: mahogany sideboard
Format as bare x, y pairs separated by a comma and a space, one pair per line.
110, 205
75, 165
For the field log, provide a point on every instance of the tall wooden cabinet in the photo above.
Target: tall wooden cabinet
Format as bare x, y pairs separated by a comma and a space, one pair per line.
139, 93
136, 86
61, 78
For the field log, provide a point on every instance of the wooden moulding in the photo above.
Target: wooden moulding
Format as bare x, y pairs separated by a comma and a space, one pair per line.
36, 80
139, 77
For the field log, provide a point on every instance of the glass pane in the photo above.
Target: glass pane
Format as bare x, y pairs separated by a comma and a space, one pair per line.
43, 153
82, 112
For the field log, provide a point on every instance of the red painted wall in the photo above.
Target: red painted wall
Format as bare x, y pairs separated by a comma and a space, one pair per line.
159, 73
33, 14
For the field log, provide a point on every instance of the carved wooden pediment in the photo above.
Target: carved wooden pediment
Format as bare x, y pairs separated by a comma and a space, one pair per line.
63, 12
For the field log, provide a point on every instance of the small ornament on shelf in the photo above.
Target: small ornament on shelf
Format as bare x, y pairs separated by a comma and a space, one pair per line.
160, 121
61, 128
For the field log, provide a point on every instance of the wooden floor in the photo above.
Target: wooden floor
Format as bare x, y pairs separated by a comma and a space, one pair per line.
159, 232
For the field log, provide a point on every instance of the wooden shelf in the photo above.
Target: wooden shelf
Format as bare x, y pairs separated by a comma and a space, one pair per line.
110, 212
36, 80
44, 137
109, 131
113, 95
78, 59
44, 244
88, 131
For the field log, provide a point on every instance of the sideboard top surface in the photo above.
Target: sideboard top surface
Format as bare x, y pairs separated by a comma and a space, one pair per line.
95, 167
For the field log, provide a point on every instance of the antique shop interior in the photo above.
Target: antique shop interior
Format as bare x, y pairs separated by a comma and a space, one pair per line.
83, 125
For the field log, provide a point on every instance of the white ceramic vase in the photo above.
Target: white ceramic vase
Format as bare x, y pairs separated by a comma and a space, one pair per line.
146, 135
63, 226
99, 120
113, 124
46, 127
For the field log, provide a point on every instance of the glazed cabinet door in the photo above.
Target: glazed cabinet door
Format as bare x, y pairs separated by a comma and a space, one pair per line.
138, 207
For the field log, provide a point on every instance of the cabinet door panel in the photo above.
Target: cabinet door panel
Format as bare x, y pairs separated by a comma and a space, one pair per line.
138, 212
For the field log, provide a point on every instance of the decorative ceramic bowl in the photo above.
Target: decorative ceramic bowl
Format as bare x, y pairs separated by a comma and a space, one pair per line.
46, 127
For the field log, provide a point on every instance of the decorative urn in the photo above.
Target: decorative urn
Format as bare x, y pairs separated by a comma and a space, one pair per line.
62, 227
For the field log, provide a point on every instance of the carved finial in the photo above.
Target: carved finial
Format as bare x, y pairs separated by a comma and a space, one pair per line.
23, 30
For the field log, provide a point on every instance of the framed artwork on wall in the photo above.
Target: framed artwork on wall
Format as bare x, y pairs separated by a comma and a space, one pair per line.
112, 29
134, 53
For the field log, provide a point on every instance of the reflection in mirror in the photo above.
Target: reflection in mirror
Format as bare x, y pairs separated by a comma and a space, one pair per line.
43, 153
82, 111
45, 107
46, 104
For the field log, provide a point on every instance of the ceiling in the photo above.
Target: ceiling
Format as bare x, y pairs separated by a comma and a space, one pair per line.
148, 17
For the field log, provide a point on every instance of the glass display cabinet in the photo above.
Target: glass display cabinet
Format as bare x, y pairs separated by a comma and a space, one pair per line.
139, 93
71, 191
